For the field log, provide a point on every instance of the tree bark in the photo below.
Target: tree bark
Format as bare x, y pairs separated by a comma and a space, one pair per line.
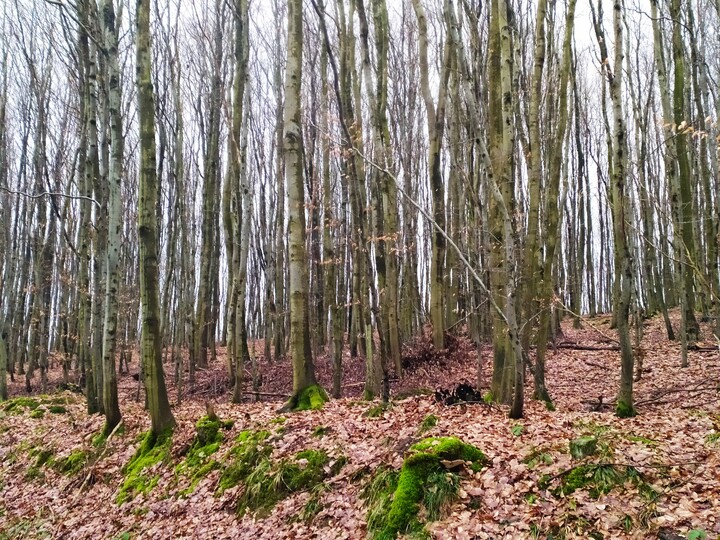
151, 343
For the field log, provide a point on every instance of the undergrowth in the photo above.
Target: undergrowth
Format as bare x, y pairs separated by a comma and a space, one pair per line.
271, 481
424, 483
249, 449
138, 472
198, 462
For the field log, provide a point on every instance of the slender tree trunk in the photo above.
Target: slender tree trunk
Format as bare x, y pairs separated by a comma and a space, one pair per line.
684, 178
436, 127
621, 206
110, 392
151, 344
300, 347
3, 365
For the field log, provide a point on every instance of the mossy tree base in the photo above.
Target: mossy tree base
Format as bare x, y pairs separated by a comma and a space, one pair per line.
424, 480
310, 398
625, 410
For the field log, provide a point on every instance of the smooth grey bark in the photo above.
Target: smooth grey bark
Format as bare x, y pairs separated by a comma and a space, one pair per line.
114, 179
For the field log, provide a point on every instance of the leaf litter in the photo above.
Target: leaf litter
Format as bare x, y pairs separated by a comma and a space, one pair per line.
673, 444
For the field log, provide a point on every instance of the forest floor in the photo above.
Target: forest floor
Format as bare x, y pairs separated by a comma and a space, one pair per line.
652, 476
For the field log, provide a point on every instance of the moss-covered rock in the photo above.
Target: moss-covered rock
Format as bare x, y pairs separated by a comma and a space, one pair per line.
424, 481
208, 430
138, 477
37, 413
57, 409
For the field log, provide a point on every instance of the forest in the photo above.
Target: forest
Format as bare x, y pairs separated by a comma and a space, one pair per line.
360, 268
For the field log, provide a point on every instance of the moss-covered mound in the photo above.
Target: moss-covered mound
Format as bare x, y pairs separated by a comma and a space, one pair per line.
17, 405
137, 472
71, 464
199, 462
424, 481
596, 478
249, 450
270, 482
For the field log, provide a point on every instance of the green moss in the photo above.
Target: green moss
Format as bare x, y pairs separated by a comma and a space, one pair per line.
198, 464
314, 504
208, 429
137, 472
271, 481
376, 411
37, 413
378, 495
320, 431
450, 448
311, 398
305, 470
57, 409
423, 482
72, 464
583, 446
15, 405
34, 473
429, 422
597, 479
625, 410
43, 456
249, 450
99, 439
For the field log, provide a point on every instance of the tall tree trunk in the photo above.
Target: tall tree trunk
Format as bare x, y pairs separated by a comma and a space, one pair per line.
436, 128
151, 346
300, 347
242, 218
205, 320
3, 364
621, 205
684, 178
110, 391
